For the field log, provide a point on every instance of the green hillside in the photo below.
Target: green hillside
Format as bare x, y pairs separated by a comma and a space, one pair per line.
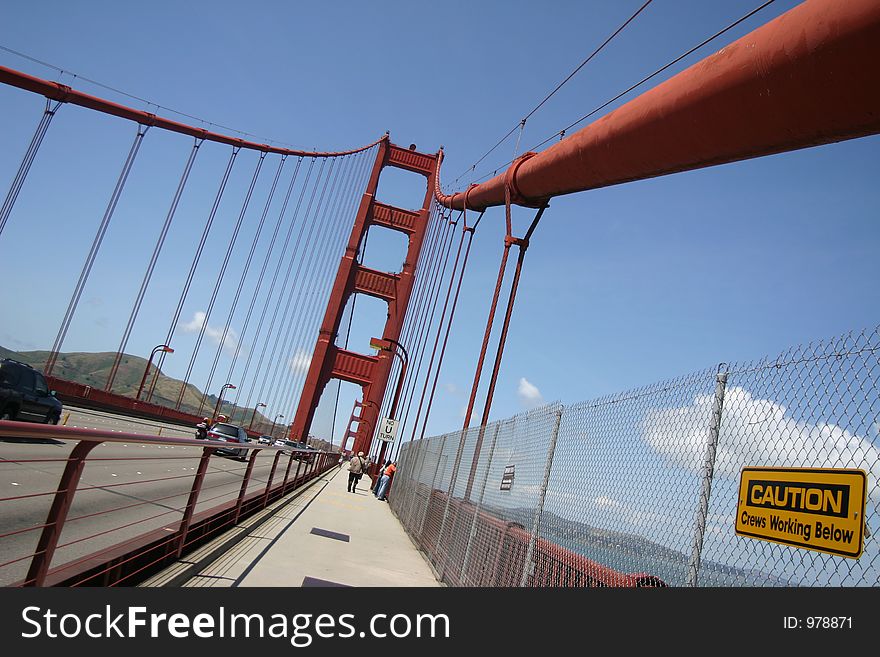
93, 369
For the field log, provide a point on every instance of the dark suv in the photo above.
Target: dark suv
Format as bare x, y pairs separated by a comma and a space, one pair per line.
230, 433
24, 394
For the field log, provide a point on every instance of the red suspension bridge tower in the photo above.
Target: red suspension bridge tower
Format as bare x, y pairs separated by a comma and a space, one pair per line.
332, 362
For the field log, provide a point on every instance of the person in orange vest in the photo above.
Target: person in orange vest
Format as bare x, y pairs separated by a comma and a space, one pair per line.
385, 482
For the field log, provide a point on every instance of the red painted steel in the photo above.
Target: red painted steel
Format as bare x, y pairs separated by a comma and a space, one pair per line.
58, 514
807, 78
130, 559
508, 542
328, 360
190, 508
65, 94
80, 394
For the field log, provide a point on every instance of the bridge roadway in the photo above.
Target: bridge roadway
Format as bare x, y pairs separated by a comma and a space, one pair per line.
282, 551
323, 536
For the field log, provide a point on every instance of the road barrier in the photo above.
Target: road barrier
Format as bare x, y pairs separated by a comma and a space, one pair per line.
104, 508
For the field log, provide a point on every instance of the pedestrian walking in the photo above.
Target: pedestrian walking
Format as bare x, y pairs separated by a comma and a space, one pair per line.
385, 482
367, 463
355, 470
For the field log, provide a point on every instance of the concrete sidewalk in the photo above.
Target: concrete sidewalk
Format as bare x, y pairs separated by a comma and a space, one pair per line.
325, 536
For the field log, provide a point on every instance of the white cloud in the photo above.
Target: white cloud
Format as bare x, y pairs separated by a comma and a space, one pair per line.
528, 393
754, 432
451, 388
300, 362
213, 333
606, 501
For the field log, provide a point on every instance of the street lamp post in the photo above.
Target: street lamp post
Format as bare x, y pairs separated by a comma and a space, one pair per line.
387, 344
254, 414
161, 347
220, 398
272, 430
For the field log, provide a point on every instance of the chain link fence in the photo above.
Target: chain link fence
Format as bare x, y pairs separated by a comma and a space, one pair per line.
641, 488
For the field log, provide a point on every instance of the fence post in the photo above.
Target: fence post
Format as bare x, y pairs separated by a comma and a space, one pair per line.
193, 498
708, 470
296, 474
413, 489
244, 485
528, 566
467, 550
440, 457
271, 476
76, 462
452, 480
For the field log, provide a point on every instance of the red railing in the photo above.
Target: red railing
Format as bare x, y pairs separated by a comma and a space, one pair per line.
503, 547
68, 527
85, 396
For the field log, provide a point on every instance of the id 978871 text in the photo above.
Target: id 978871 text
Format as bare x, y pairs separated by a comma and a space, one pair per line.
817, 623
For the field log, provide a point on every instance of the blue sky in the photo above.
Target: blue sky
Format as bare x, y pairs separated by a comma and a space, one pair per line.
622, 286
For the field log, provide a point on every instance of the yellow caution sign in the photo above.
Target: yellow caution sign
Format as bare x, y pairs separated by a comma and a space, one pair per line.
815, 508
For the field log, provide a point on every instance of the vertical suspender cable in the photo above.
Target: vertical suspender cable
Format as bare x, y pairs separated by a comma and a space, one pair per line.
310, 280
321, 265
362, 252
523, 246
259, 283
96, 245
296, 279
317, 268
416, 319
26, 162
218, 282
426, 327
470, 232
192, 268
284, 291
247, 264
258, 333
422, 275
452, 277
132, 318
294, 380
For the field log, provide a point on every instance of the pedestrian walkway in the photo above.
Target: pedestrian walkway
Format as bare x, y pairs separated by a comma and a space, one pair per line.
324, 536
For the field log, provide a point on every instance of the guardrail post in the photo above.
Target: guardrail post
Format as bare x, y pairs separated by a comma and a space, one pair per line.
452, 482
76, 462
296, 476
412, 489
193, 498
286, 474
528, 566
244, 485
467, 550
708, 471
271, 476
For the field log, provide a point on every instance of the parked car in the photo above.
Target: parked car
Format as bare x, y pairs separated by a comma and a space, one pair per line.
25, 395
230, 433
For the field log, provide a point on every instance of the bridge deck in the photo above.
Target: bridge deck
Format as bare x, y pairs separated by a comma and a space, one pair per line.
301, 541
